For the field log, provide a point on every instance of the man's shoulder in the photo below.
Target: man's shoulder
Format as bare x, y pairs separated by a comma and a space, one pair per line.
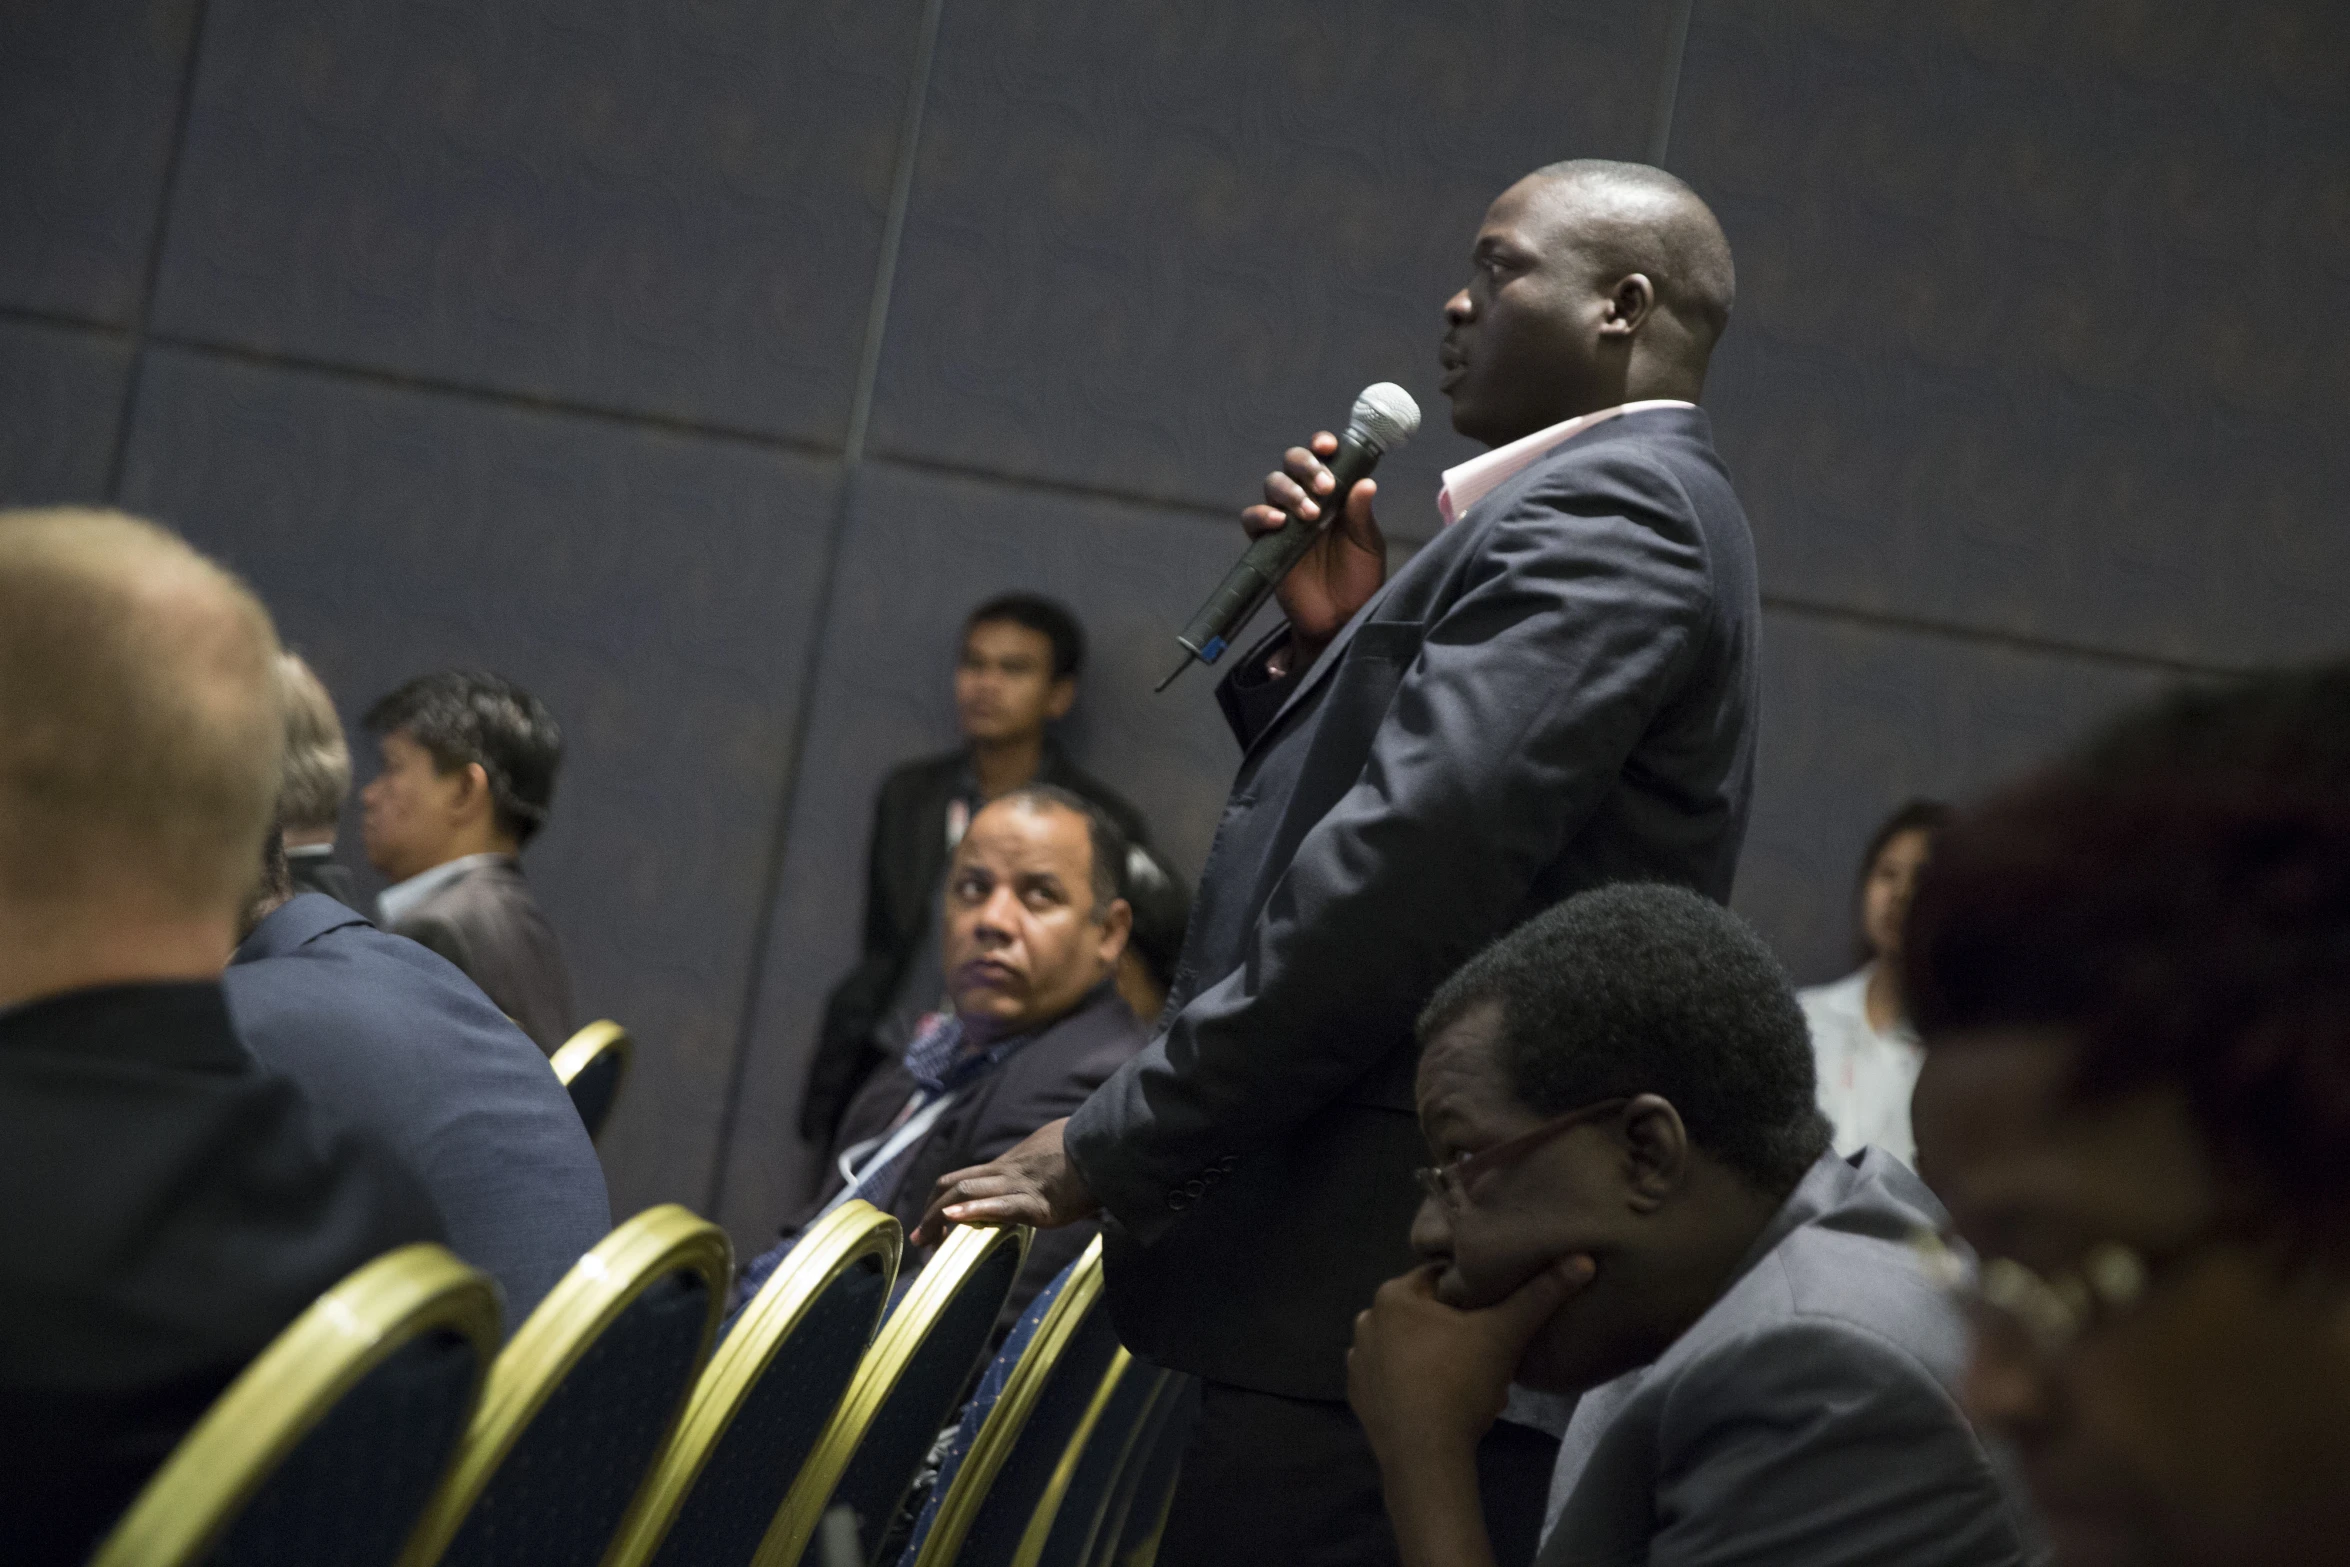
486, 899
922, 775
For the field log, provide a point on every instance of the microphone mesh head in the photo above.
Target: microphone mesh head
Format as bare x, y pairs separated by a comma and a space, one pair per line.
1384, 416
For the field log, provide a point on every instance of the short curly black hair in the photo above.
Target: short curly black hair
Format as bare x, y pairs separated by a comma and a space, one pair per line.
2175, 897
1049, 618
1647, 989
465, 715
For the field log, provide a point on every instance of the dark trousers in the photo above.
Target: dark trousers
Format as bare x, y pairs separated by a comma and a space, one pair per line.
1290, 1482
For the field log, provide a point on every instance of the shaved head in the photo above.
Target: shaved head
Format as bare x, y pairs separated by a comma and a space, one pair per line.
140, 721
1630, 217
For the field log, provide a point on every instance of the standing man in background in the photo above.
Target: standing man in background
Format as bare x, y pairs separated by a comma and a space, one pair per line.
1557, 692
1017, 675
318, 781
468, 774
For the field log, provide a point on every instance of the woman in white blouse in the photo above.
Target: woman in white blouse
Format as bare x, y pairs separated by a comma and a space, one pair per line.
1866, 1056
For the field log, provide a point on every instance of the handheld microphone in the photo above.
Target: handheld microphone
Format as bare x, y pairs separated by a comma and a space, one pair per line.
1384, 417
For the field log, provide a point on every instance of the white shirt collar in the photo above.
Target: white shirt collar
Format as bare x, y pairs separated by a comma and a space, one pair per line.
1479, 477
396, 902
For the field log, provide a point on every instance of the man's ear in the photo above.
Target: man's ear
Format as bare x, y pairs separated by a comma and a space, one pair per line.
472, 799
1117, 925
1062, 698
1656, 1152
1629, 305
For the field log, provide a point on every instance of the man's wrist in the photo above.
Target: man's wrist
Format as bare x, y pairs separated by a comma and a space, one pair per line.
1434, 1503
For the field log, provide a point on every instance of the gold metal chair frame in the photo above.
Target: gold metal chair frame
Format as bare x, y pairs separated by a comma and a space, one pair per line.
656, 1243
595, 1040
843, 1238
948, 1272
1004, 1423
263, 1415
1047, 1516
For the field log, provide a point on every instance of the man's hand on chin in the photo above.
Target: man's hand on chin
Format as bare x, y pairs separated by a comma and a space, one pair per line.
1427, 1380
1033, 1184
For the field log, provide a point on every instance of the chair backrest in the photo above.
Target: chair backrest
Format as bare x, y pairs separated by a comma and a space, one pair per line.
592, 1064
756, 1413
1104, 1454
903, 1393
329, 1445
1044, 1383
1130, 1536
582, 1398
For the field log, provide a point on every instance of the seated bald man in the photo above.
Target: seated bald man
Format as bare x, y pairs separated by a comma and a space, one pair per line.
166, 1206
1634, 1200
1034, 925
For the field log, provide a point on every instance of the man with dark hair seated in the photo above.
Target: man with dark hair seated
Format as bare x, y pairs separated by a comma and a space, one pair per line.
1034, 924
2131, 972
166, 1205
1633, 1200
384, 1036
468, 776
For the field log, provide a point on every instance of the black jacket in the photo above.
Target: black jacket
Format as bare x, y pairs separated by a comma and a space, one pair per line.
904, 861
487, 923
166, 1207
1557, 692
1042, 1081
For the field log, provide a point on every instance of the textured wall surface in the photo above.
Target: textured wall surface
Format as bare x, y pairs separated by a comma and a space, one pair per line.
540, 336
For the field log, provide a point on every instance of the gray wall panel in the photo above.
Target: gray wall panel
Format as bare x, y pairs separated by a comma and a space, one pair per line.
920, 552
653, 588
1855, 721
89, 96
1151, 246
61, 391
2041, 312
670, 210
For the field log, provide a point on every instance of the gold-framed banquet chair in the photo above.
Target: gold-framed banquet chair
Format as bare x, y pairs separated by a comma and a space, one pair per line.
592, 1064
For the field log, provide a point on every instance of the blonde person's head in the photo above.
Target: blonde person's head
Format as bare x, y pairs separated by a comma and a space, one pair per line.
318, 758
141, 727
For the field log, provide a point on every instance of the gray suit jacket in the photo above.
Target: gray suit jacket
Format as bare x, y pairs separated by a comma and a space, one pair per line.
1805, 1419
487, 924
1558, 691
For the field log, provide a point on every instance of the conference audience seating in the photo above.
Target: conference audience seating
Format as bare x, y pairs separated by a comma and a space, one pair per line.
582, 1399
1080, 1515
769, 1392
934, 1339
1137, 1514
330, 1444
593, 1063
1026, 1430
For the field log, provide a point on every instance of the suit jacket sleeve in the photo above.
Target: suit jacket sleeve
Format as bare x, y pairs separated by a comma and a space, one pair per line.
1576, 621
1817, 1443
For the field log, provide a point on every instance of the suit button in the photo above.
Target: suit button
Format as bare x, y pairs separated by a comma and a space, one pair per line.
1178, 1201
1195, 1189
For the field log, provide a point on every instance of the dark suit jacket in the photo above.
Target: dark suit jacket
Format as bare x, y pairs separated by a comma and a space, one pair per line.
904, 862
383, 1035
487, 924
1042, 1081
313, 871
165, 1208
1558, 691
1806, 1418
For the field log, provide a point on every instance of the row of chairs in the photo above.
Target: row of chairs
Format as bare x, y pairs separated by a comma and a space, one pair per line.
386, 1428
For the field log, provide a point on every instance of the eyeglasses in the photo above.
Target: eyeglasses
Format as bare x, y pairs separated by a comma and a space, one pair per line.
2050, 1312
1449, 1183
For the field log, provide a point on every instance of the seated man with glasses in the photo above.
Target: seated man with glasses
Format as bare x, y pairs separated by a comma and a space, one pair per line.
1634, 1200
2132, 977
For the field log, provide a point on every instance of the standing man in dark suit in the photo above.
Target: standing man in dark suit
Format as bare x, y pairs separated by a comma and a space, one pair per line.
468, 775
1016, 676
166, 1205
1035, 923
381, 1035
1557, 692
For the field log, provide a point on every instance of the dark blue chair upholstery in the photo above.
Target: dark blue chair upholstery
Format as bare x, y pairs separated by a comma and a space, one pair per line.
906, 1426
350, 1493
734, 1498
559, 1494
1018, 1485
1146, 1501
1115, 1452
596, 1087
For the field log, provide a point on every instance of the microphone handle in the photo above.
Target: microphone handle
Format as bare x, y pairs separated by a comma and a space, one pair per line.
1247, 585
